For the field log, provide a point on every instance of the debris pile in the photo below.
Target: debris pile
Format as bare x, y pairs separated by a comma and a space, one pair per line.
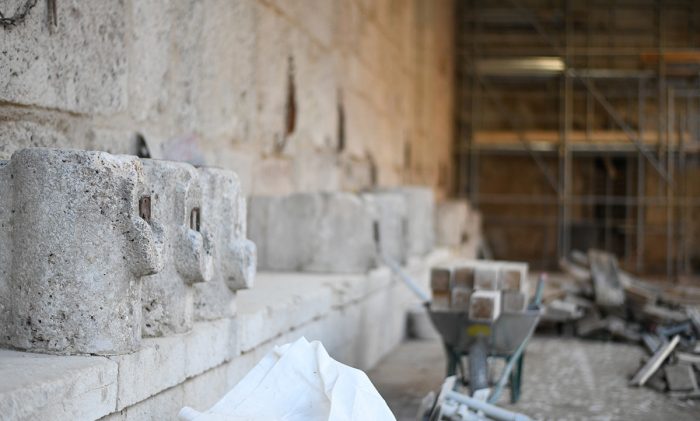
598, 300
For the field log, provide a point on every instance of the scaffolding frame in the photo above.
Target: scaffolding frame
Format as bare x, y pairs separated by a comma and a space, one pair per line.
668, 160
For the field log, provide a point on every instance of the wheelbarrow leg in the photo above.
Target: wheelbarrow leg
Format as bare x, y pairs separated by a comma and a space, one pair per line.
516, 377
452, 360
478, 366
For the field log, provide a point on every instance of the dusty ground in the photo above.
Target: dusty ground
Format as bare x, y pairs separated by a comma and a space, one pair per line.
565, 379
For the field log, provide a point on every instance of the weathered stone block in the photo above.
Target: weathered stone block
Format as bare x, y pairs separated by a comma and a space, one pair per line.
450, 222
390, 213
314, 232
235, 257
176, 202
46, 66
420, 232
80, 241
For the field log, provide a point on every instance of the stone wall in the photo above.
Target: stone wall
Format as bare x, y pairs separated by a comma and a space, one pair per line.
293, 95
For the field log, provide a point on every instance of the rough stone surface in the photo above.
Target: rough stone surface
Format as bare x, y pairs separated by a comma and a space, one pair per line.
166, 69
79, 248
176, 202
235, 257
314, 232
46, 66
46, 387
6, 193
451, 222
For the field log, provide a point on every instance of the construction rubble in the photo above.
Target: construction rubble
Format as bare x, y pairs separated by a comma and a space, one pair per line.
595, 299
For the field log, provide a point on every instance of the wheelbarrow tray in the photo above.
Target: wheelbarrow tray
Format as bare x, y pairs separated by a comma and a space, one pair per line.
504, 335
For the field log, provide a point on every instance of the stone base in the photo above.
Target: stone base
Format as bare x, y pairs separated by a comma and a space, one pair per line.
197, 368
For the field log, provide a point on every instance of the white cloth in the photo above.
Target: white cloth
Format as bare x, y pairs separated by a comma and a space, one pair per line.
298, 381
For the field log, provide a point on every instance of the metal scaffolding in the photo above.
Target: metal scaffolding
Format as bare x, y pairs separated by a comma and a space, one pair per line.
560, 56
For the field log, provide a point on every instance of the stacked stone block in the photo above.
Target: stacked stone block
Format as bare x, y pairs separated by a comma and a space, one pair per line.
391, 215
337, 232
313, 232
82, 232
483, 289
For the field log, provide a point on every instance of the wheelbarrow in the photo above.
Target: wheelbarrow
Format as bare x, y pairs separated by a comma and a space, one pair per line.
506, 338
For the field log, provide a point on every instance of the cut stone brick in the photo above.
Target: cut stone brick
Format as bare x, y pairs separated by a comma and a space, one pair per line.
464, 276
485, 306
314, 232
441, 279
514, 302
460, 299
420, 232
487, 277
440, 300
47, 67
514, 279
79, 248
235, 257
176, 202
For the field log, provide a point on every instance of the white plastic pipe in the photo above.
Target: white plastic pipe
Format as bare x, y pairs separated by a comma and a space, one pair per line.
491, 411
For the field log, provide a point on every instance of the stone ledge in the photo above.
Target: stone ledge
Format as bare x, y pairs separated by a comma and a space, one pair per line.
39, 386
281, 306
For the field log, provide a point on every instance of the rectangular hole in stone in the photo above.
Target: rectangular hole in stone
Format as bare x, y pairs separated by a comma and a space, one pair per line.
195, 219
145, 208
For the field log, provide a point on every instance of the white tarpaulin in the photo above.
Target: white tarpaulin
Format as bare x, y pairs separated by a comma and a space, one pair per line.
298, 381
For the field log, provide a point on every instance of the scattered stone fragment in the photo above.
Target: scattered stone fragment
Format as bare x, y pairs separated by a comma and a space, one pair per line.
680, 377
657, 381
606, 281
